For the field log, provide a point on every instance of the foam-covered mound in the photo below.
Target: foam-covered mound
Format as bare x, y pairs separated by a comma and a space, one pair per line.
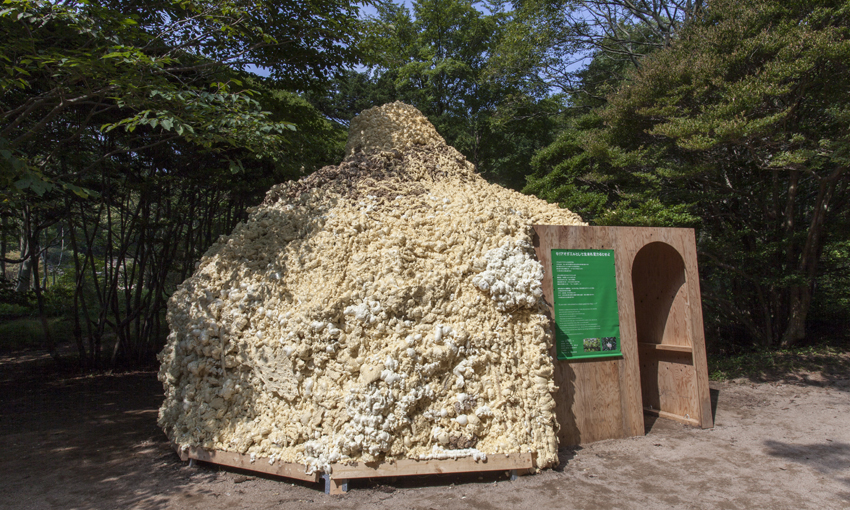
385, 308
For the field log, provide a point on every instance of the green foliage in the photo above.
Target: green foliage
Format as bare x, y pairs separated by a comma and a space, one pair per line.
27, 333
132, 131
791, 365
739, 128
438, 58
160, 71
11, 298
637, 210
351, 93
316, 143
831, 302
566, 173
585, 48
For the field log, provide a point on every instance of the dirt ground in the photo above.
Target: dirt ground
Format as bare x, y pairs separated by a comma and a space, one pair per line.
92, 442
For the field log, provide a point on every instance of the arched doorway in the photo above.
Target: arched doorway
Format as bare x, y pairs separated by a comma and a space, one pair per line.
665, 347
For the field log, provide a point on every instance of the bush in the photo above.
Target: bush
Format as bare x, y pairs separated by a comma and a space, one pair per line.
27, 333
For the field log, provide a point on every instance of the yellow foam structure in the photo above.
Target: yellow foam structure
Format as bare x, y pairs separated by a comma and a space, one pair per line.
385, 308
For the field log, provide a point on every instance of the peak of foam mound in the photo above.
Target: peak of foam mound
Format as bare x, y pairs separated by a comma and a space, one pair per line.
385, 308
391, 126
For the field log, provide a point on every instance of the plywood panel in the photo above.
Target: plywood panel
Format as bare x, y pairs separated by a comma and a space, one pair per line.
703, 396
663, 318
684, 323
677, 385
668, 382
517, 463
588, 402
596, 399
593, 396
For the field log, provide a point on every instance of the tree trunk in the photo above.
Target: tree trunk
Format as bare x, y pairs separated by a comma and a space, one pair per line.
44, 267
79, 299
49, 346
5, 224
799, 299
800, 296
25, 269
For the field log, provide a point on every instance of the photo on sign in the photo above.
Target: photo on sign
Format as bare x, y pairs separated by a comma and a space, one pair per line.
591, 345
609, 343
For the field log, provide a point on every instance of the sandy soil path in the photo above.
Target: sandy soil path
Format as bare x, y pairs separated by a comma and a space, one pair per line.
92, 443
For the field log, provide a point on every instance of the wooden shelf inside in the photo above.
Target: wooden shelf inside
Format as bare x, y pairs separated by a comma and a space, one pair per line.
666, 347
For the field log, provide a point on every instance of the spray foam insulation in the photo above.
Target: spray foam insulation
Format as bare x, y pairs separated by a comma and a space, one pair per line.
385, 308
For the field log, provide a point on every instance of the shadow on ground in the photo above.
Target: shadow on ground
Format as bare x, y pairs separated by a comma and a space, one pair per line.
85, 442
829, 458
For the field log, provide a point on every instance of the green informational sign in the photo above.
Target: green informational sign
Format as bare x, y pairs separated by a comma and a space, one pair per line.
587, 322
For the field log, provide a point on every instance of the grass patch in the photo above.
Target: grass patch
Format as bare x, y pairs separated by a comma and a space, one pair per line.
9, 311
27, 333
767, 365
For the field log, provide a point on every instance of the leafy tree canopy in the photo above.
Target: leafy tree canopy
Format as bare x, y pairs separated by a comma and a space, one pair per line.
742, 122
439, 57
170, 67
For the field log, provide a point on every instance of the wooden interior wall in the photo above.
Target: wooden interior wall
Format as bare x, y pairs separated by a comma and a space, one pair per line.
660, 296
604, 399
662, 315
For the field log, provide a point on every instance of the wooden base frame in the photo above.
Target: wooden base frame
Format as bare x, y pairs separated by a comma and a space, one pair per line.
336, 482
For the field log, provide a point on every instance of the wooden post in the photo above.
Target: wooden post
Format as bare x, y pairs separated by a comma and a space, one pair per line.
334, 486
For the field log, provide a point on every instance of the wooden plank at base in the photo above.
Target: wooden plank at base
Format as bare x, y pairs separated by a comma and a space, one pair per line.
183, 454
518, 463
671, 416
409, 467
261, 465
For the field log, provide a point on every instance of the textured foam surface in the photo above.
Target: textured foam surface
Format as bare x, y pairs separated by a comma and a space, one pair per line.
385, 308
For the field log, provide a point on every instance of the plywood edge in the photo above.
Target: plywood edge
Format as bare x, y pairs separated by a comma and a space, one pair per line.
671, 416
581, 418
241, 461
409, 467
632, 402
698, 334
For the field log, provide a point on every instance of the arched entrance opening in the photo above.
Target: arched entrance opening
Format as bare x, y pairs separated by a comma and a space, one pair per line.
665, 346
